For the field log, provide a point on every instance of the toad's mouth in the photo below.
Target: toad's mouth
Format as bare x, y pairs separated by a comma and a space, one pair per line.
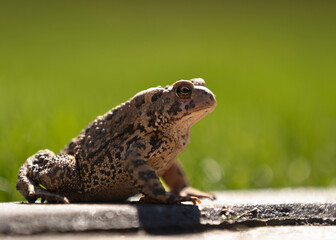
205, 108
196, 115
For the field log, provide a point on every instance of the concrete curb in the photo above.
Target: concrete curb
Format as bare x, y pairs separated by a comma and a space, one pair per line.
18, 218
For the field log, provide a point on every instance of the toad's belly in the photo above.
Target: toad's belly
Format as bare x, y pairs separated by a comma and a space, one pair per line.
117, 192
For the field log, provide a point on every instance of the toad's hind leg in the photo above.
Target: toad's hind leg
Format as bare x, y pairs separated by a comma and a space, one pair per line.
56, 173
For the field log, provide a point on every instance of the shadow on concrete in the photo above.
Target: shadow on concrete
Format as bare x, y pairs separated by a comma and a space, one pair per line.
169, 219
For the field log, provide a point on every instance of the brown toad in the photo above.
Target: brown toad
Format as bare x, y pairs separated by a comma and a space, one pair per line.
124, 152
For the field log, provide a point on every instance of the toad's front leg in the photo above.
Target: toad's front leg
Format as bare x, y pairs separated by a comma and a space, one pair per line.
178, 183
148, 183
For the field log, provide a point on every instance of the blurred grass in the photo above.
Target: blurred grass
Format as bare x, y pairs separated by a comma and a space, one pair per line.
270, 64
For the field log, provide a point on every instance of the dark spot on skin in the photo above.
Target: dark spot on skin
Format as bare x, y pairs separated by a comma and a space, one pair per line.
156, 96
139, 162
139, 101
186, 107
129, 129
147, 175
155, 140
212, 98
105, 173
175, 108
141, 128
109, 156
192, 104
131, 141
150, 113
100, 159
139, 145
151, 122
117, 155
85, 168
159, 191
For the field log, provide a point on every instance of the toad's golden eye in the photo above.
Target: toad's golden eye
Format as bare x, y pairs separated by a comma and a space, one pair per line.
184, 91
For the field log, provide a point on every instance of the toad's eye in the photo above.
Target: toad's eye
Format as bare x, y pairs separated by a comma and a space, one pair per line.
184, 91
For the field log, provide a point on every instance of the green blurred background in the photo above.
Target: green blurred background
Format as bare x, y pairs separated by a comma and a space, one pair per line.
271, 65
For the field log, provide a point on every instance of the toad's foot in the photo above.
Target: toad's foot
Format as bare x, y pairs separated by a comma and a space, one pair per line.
31, 191
48, 196
192, 192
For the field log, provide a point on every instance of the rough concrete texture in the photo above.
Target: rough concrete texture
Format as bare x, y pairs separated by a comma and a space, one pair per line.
233, 210
260, 233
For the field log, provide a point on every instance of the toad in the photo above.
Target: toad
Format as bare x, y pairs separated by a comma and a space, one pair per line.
125, 152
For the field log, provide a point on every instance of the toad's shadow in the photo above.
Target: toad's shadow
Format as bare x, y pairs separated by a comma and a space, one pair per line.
169, 219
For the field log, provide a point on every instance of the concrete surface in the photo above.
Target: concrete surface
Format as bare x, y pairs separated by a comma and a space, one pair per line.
233, 215
260, 233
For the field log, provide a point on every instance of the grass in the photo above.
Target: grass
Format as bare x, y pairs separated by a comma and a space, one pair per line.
270, 64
